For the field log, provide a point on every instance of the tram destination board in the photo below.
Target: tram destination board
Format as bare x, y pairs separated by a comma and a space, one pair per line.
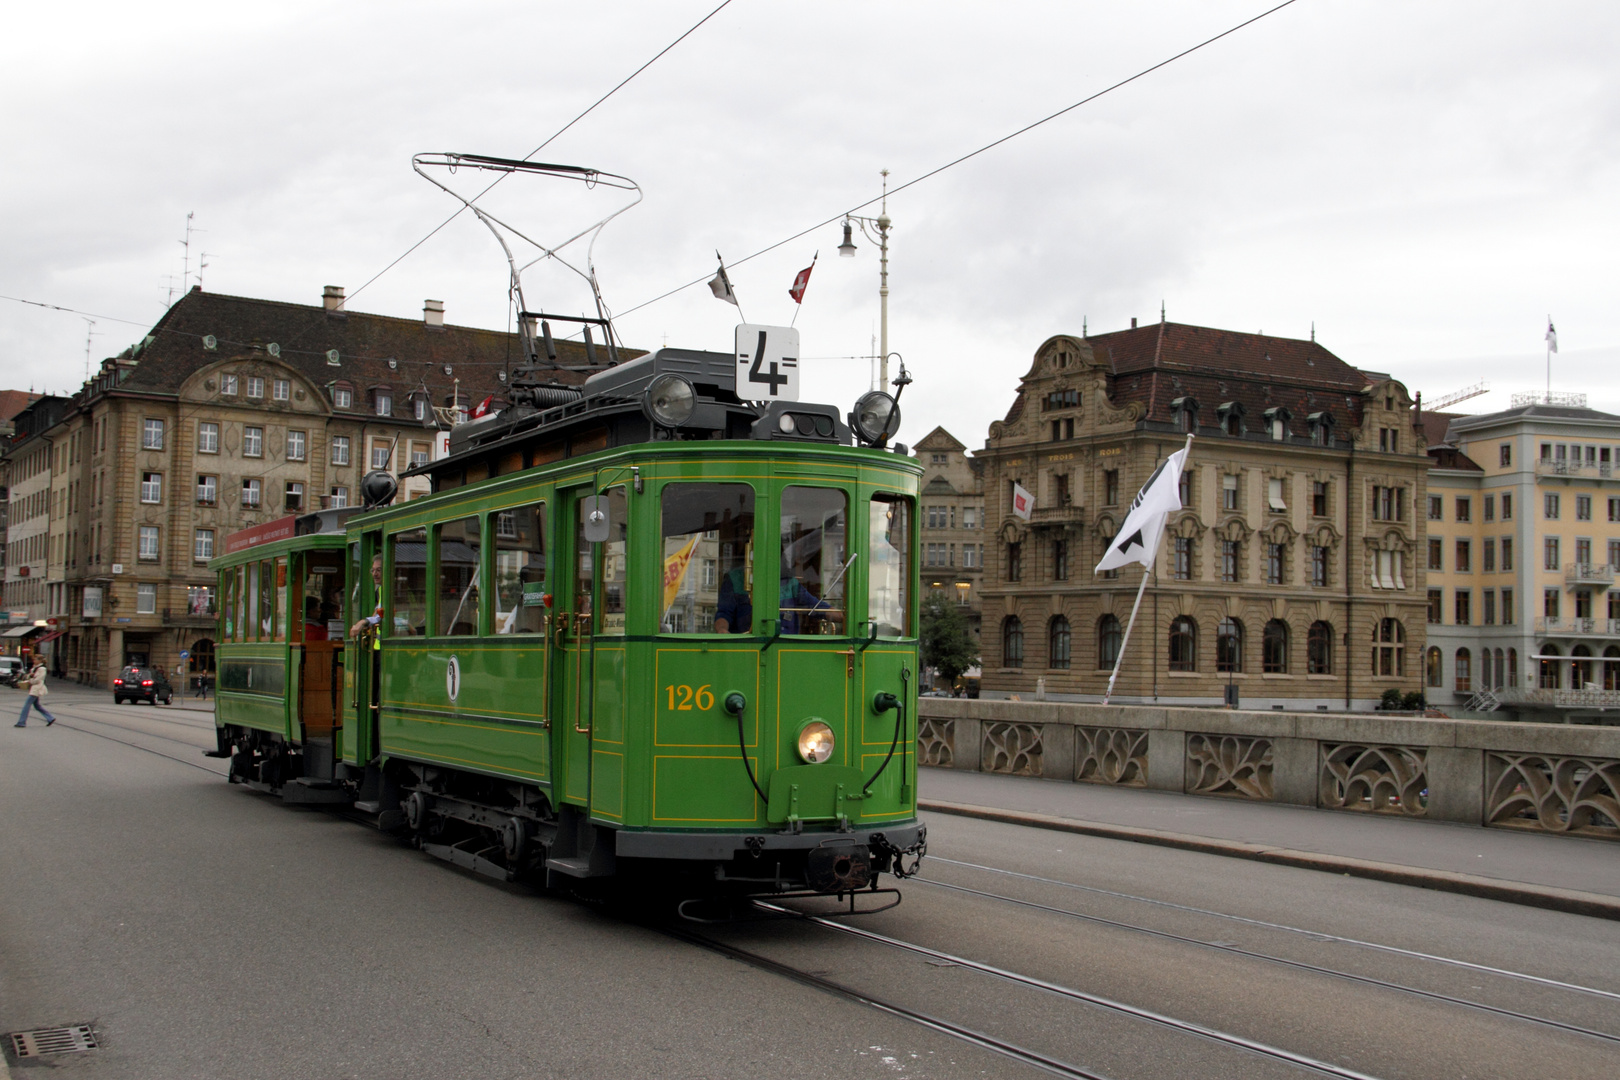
767, 363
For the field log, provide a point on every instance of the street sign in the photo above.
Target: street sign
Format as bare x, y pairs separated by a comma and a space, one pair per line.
185, 654
767, 363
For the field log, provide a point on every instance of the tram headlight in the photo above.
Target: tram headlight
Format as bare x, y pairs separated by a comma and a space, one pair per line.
815, 742
876, 416
669, 400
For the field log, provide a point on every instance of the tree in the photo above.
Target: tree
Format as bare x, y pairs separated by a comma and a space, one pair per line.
947, 644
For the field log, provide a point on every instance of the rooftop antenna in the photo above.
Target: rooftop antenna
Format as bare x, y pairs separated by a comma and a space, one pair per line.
89, 333
1161, 312
202, 264
185, 268
1313, 329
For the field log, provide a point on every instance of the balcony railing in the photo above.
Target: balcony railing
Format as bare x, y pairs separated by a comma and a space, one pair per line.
1547, 467
1566, 625
1560, 699
1070, 514
1586, 573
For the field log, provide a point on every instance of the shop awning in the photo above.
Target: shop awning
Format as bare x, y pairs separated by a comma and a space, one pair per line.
52, 636
20, 631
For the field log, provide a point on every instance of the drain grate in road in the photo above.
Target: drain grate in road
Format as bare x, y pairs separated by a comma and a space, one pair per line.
60, 1040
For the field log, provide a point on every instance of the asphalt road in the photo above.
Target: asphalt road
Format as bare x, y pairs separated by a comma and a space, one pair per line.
206, 931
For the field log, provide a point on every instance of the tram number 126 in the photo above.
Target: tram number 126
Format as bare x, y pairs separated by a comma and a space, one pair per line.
683, 698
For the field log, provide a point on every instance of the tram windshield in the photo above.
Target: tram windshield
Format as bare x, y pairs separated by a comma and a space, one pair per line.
814, 533
889, 529
708, 558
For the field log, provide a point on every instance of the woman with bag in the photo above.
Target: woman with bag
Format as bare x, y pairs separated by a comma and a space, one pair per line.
36, 690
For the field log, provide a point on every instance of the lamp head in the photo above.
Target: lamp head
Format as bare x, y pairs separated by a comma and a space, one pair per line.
847, 248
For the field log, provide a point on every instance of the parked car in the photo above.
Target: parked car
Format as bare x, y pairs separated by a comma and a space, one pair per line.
11, 669
142, 684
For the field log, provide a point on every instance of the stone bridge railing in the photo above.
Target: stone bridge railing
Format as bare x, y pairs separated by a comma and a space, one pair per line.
1553, 778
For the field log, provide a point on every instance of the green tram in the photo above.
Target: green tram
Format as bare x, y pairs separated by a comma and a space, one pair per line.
641, 627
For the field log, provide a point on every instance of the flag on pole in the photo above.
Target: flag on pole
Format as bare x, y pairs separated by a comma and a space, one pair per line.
1138, 539
1552, 337
676, 563
721, 285
802, 282
482, 408
1023, 501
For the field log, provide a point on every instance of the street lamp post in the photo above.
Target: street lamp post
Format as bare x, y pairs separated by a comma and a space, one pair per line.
847, 249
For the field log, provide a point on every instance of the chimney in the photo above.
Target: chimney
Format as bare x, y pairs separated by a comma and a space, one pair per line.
433, 312
1133, 322
332, 297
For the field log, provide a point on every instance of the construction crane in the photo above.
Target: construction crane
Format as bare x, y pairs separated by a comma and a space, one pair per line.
1456, 396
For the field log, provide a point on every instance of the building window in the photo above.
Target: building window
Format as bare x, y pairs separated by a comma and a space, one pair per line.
1389, 504
1490, 508
1504, 455
1274, 648
343, 398
1012, 642
340, 449
1183, 644
385, 404
146, 599
1231, 419
1108, 639
379, 456
1060, 560
1507, 507
1229, 492
1274, 495
939, 459
1389, 648
1512, 668
1389, 570
419, 407
207, 438
281, 389
1110, 487
253, 441
1276, 564
1549, 553
1319, 566
1464, 558
255, 386
1583, 508
152, 434
1465, 509
1507, 553
1507, 607
1487, 614
1550, 668
1229, 560
1437, 601
1059, 645
151, 487
1319, 498
970, 517
1015, 562
1437, 508
251, 491
149, 543
1488, 557
207, 490
1182, 558
1464, 671
1436, 553
227, 385
1319, 649
1549, 506
1389, 440
295, 496
202, 545
297, 443
1461, 604
1549, 603
340, 497
419, 455
1229, 646
1583, 550
1432, 668
1184, 491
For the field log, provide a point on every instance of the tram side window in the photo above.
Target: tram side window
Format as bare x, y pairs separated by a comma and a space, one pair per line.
459, 546
267, 601
278, 628
814, 533
708, 558
227, 609
347, 617
408, 611
519, 535
244, 588
615, 569
250, 614
323, 596
888, 602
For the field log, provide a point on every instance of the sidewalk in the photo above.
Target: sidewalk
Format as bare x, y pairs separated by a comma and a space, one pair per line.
1567, 873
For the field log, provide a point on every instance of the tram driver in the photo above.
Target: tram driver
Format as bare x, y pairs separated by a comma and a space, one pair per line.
373, 620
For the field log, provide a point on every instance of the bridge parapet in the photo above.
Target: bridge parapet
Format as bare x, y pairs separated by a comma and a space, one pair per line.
1549, 778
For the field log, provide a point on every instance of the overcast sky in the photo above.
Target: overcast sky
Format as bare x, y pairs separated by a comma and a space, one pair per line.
1424, 182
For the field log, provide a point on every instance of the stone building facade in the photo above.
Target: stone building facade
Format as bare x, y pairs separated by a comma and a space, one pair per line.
951, 515
1290, 576
233, 412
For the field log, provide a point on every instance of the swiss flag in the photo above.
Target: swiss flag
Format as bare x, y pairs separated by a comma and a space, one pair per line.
482, 408
801, 283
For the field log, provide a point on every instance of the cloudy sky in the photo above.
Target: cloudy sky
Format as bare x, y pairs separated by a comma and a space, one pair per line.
1423, 182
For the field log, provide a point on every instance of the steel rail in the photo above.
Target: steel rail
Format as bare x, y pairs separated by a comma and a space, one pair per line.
1396, 950
1276, 1053
1301, 965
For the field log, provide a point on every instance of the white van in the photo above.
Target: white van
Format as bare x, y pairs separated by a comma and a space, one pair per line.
11, 669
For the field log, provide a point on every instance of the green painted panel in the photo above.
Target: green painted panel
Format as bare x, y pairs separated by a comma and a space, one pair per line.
710, 790
690, 685
607, 784
814, 793
811, 681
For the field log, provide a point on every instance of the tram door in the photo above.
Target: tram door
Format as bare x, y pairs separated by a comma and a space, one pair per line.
362, 668
315, 626
590, 626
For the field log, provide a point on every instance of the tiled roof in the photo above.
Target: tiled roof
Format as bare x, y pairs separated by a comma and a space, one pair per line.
365, 343
1216, 366
1435, 425
1449, 457
13, 402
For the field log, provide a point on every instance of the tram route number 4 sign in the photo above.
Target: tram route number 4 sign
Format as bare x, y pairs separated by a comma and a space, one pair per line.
767, 363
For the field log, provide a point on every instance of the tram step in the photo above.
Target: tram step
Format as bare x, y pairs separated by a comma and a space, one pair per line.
303, 789
577, 867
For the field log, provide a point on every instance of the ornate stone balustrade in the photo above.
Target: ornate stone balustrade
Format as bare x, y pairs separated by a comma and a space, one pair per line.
1550, 778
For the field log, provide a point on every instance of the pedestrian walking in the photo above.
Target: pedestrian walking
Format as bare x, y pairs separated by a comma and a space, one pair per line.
36, 690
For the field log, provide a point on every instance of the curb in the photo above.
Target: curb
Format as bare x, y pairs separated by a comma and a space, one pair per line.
1542, 896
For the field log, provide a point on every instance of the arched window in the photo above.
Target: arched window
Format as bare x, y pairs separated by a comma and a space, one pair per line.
1513, 669
1058, 642
1550, 664
1183, 644
1274, 648
1012, 642
1389, 648
1229, 645
1432, 676
1319, 649
1464, 671
1580, 669
1108, 635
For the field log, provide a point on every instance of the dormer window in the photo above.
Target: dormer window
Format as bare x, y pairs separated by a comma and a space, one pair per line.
383, 400
1231, 418
1321, 426
1277, 424
419, 407
342, 397
1184, 414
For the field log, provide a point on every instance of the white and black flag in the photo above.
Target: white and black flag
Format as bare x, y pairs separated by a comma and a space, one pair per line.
1138, 539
